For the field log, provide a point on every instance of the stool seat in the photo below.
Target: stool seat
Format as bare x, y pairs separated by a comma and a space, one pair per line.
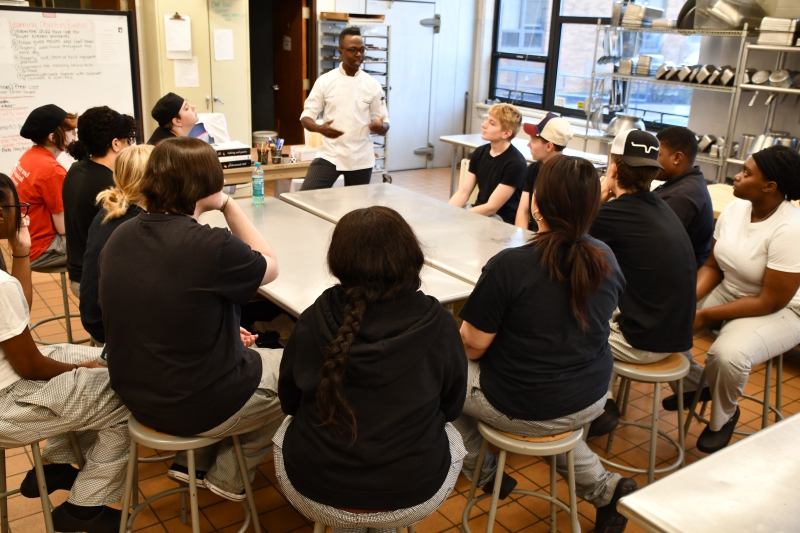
539, 446
546, 446
50, 270
162, 441
671, 368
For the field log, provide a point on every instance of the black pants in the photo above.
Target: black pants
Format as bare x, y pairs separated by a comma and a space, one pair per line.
321, 175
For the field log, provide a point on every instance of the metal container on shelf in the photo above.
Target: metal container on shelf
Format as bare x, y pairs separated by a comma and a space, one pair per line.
622, 122
746, 141
789, 142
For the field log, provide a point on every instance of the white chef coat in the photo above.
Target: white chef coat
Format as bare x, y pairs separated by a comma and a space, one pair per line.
352, 102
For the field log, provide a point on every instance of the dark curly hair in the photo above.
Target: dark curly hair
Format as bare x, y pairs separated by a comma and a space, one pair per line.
97, 128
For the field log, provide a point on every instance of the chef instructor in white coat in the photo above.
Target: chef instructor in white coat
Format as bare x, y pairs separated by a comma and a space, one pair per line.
351, 105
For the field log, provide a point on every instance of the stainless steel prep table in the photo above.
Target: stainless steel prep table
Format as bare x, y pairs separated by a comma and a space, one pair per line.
473, 140
454, 240
750, 486
300, 242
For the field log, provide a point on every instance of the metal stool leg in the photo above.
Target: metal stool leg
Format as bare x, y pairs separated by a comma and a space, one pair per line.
553, 493
573, 502
498, 481
681, 431
67, 318
651, 469
624, 407
133, 464
779, 388
193, 494
767, 388
251, 501
76, 449
622, 404
183, 508
3, 498
37, 465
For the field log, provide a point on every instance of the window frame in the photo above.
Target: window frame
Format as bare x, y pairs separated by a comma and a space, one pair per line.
550, 61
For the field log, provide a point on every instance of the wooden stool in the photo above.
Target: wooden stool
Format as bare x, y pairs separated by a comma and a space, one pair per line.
675, 367
62, 270
765, 401
548, 446
151, 438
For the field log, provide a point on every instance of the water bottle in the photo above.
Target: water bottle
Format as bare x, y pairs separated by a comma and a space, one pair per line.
258, 185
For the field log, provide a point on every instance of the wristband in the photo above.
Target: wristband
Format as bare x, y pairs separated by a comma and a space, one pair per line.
227, 198
20, 256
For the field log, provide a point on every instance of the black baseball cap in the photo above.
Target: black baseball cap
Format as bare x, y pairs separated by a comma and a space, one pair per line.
637, 148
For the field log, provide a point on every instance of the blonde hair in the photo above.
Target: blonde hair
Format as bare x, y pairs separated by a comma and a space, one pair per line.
128, 173
508, 116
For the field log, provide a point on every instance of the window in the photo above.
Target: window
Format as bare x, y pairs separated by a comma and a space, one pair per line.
544, 50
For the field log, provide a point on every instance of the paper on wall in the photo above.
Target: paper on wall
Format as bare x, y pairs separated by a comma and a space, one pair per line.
111, 41
178, 33
223, 45
179, 55
187, 73
6, 52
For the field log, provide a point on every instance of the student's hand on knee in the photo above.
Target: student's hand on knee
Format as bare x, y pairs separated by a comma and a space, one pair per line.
91, 364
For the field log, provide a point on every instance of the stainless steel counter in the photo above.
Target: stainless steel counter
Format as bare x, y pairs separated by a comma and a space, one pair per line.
300, 242
750, 486
455, 241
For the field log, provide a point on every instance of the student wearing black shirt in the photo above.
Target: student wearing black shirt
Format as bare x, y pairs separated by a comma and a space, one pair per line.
175, 116
120, 203
685, 190
548, 139
656, 311
372, 376
536, 332
171, 290
102, 135
497, 168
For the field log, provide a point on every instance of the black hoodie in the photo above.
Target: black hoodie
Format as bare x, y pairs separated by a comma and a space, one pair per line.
406, 377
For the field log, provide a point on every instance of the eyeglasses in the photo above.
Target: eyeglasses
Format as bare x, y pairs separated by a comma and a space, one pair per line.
23, 208
356, 50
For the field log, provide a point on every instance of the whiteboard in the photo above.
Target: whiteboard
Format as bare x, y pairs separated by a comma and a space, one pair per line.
75, 59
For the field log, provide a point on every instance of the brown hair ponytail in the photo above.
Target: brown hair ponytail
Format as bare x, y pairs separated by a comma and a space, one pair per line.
376, 257
567, 194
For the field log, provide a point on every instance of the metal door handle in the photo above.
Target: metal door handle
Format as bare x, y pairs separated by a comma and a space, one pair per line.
216, 99
276, 87
208, 102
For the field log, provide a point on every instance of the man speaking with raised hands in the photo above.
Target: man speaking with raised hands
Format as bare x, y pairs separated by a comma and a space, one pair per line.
352, 106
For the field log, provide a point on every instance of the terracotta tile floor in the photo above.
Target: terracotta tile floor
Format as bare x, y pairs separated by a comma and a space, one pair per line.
518, 513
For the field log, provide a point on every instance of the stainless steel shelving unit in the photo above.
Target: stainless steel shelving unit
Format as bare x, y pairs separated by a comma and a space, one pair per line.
376, 37
732, 91
741, 87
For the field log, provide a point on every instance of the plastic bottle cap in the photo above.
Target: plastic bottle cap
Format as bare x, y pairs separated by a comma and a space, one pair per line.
258, 164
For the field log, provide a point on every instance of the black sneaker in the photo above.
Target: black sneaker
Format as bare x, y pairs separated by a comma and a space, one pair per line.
106, 521
712, 441
57, 477
608, 519
607, 421
180, 474
506, 486
670, 403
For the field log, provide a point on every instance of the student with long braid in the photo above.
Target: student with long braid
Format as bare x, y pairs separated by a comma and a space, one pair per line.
372, 376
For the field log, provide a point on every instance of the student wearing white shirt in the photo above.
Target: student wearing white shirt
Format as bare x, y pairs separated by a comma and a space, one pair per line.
49, 391
750, 285
351, 105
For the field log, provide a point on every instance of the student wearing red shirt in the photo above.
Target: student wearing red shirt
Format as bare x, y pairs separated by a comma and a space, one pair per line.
39, 178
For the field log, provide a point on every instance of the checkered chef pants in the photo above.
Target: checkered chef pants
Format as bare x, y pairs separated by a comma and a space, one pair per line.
81, 401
